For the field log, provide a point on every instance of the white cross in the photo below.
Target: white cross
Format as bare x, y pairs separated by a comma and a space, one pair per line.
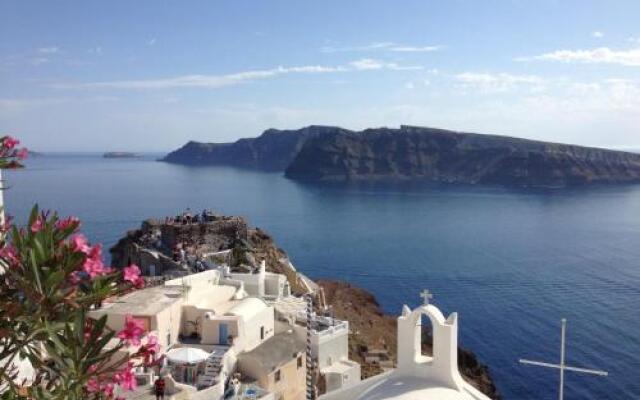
562, 366
426, 296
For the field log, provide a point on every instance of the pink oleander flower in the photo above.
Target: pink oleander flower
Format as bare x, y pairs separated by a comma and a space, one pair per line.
9, 254
80, 243
63, 224
132, 332
8, 222
107, 389
132, 274
23, 153
93, 264
93, 386
10, 142
37, 225
152, 343
150, 349
125, 378
75, 277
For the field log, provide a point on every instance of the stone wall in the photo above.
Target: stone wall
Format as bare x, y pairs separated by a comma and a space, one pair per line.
217, 235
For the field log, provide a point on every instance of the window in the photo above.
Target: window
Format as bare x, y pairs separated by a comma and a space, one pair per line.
299, 361
277, 376
261, 332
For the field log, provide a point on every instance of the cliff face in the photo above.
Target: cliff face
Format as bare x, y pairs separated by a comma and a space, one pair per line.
324, 153
453, 157
272, 151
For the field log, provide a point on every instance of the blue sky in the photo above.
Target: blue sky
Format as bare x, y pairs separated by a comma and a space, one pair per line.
150, 75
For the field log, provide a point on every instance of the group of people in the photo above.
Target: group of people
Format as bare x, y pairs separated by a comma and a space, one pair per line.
183, 256
188, 217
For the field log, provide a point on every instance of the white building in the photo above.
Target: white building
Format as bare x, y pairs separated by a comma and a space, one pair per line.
197, 315
330, 350
417, 376
266, 285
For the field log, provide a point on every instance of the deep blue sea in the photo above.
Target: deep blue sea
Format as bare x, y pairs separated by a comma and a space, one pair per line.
511, 263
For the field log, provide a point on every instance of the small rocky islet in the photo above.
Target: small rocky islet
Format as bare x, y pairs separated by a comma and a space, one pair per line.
154, 243
326, 154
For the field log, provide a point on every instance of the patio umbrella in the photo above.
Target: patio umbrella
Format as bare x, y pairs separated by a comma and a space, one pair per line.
187, 355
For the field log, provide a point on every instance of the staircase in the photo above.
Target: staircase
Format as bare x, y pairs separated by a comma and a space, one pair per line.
212, 370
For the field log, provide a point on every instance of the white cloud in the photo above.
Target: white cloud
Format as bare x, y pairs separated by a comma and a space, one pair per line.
500, 82
95, 50
597, 34
381, 46
218, 81
49, 50
633, 39
603, 55
151, 42
39, 60
372, 64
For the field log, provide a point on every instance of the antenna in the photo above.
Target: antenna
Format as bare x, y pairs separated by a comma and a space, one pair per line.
311, 390
562, 366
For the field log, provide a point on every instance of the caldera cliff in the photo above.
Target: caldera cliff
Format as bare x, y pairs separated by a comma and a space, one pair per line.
325, 153
457, 157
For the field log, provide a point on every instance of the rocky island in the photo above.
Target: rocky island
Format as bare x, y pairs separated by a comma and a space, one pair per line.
120, 154
274, 150
175, 247
324, 153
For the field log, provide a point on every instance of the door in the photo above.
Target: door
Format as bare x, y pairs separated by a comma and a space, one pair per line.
223, 334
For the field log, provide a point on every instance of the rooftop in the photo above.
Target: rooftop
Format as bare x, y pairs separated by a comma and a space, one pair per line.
148, 301
412, 388
277, 351
247, 308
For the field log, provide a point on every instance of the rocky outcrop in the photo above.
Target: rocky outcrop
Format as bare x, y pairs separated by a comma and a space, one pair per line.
456, 157
153, 242
272, 151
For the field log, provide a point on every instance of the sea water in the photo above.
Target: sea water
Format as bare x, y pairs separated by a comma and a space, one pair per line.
512, 263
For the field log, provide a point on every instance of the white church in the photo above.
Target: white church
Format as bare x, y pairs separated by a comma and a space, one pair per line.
418, 377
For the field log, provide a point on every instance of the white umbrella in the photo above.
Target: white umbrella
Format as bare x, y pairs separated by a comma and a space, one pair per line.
187, 355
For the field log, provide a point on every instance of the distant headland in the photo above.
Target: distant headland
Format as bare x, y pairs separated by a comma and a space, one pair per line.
326, 153
120, 154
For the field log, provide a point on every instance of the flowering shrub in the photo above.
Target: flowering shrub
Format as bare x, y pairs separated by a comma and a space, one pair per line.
10, 154
51, 277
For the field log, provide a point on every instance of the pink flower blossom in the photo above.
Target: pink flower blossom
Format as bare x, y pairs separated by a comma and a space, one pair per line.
93, 386
37, 225
75, 277
7, 224
107, 389
23, 153
80, 243
9, 254
133, 331
152, 343
10, 142
132, 274
125, 378
93, 264
150, 349
67, 222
